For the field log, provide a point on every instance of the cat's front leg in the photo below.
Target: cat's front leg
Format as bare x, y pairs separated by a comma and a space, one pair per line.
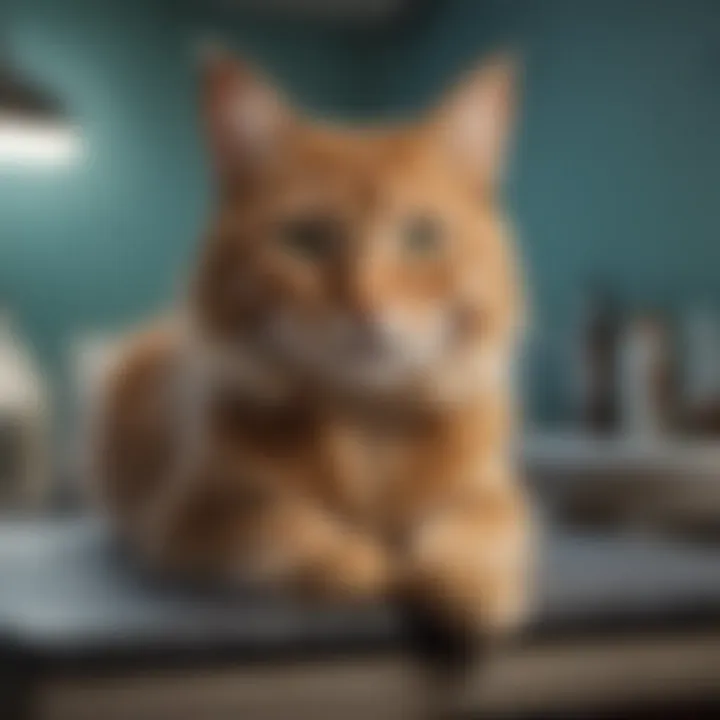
468, 563
316, 554
248, 536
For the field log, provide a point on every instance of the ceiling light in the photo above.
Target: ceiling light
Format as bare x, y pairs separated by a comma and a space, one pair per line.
34, 130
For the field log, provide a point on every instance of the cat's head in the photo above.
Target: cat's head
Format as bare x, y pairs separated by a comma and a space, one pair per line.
364, 257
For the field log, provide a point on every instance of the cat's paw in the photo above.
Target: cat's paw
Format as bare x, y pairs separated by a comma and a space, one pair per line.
475, 575
355, 569
488, 605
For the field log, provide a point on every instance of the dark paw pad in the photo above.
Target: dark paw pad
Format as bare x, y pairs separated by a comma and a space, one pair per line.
443, 645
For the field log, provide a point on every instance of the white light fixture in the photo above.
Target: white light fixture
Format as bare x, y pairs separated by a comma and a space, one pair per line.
33, 129
35, 142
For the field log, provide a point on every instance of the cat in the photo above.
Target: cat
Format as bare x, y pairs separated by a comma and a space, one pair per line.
331, 411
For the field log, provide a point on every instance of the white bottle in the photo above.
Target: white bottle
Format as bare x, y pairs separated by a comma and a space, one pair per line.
701, 377
643, 364
23, 423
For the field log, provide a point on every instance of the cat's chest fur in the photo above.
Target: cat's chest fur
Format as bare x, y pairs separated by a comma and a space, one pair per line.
373, 465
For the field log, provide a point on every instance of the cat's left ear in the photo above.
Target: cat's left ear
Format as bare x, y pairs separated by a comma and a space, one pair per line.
245, 119
475, 122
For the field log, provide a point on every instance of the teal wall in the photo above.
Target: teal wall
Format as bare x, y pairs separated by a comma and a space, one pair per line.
97, 244
102, 244
615, 177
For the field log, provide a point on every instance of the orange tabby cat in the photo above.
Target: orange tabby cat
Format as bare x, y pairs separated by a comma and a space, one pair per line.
333, 411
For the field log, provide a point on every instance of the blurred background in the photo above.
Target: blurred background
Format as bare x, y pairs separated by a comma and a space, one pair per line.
614, 188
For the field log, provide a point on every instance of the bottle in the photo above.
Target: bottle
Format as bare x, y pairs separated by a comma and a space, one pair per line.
644, 377
23, 422
599, 410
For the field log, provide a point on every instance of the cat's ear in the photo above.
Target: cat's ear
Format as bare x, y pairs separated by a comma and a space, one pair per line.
245, 120
475, 122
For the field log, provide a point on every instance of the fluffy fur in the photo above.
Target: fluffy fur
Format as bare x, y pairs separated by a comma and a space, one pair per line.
333, 411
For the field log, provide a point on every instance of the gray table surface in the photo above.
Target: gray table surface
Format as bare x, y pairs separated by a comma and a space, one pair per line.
64, 586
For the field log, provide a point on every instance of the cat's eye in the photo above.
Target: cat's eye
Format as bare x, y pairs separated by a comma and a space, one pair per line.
310, 238
422, 236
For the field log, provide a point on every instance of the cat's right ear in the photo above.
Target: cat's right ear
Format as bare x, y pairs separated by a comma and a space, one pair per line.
475, 121
244, 118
